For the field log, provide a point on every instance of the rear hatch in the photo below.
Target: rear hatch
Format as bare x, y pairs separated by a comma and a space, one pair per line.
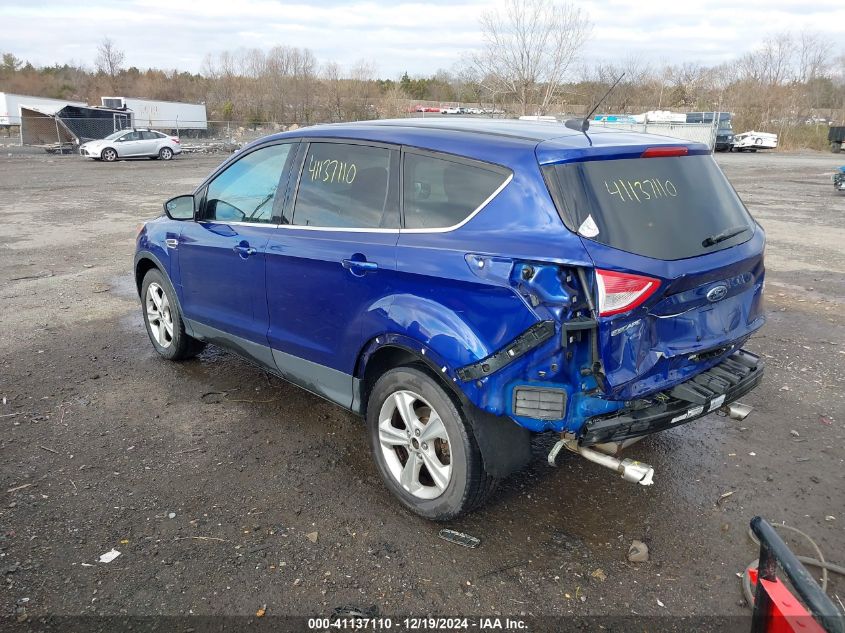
678, 262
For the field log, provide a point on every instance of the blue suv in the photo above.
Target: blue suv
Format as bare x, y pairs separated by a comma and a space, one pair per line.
463, 284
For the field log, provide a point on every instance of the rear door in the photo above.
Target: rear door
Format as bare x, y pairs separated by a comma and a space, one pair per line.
332, 261
679, 263
148, 146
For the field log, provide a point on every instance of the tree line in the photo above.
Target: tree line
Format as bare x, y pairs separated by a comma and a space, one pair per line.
530, 63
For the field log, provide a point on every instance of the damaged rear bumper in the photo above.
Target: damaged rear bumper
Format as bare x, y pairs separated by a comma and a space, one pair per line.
720, 385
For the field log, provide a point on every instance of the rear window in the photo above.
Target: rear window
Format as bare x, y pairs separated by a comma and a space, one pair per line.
666, 208
441, 193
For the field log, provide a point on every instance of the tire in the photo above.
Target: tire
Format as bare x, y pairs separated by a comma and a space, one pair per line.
836, 147
163, 319
406, 457
109, 155
165, 153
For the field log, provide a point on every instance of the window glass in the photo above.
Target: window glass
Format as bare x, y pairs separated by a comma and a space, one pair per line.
246, 191
665, 208
440, 193
132, 136
348, 186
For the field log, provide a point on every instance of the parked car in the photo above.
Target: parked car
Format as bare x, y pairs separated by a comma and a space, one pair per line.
752, 141
136, 143
462, 284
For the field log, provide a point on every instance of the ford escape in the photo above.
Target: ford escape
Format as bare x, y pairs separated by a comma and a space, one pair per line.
462, 284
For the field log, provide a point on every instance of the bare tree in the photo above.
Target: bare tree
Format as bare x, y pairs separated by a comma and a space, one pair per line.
814, 55
109, 58
528, 48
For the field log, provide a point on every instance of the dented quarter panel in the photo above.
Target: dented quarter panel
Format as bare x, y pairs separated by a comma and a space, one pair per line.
464, 312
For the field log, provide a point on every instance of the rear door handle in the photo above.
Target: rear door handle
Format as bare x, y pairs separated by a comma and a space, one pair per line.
358, 267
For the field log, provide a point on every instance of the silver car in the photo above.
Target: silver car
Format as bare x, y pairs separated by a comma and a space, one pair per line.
137, 143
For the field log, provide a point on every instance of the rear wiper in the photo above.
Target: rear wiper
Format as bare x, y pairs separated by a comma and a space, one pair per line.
724, 235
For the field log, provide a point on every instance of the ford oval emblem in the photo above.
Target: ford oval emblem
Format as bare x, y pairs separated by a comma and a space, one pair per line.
717, 293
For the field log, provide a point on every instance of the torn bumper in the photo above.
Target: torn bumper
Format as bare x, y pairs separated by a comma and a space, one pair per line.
722, 384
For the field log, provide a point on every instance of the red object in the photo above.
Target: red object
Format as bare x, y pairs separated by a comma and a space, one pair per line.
621, 292
788, 614
661, 152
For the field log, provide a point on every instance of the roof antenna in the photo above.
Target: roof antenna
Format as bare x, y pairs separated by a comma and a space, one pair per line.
582, 125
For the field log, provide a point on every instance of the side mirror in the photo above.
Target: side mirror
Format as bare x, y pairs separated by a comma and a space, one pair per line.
180, 207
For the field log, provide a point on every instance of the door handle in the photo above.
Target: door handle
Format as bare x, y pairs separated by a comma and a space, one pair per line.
243, 250
357, 267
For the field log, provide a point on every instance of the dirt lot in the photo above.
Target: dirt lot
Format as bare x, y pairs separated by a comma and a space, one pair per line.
208, 475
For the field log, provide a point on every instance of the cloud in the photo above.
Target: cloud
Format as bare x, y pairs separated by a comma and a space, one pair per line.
413, 36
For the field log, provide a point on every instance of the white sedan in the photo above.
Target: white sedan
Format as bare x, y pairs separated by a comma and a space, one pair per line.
132, 144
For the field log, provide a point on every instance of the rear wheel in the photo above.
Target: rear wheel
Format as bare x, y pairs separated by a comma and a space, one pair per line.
163, 319
165, 153
424, 447
109, 155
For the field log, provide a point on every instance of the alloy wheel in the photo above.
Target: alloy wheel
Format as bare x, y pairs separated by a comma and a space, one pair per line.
159, 315
415, 445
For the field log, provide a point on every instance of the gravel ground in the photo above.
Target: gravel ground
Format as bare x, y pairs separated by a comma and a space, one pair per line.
208, 476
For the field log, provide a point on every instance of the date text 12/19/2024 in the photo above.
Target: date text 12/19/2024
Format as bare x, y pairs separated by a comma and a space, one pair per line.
417, 624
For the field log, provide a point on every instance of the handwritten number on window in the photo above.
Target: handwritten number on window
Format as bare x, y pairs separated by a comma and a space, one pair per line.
332, 170
641, 190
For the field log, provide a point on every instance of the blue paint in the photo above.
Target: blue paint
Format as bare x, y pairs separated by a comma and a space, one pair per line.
453, 298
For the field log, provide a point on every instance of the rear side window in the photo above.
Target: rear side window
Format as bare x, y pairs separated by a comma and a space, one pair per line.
348, 186
665, 208
440, 193
246, 190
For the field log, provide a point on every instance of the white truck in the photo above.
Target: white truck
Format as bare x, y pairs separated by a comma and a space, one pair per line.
166, 115
752, 141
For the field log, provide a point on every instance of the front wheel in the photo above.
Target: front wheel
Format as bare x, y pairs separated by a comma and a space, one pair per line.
165, 153
109, 155
163, 319
424, 447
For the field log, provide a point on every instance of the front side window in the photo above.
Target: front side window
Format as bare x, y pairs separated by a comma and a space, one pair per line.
132, 136
246, 190
440, 193
348, 186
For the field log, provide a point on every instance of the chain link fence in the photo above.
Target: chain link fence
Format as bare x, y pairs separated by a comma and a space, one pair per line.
64, 134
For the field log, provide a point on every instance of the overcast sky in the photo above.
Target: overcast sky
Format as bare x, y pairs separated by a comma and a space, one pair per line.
397, 36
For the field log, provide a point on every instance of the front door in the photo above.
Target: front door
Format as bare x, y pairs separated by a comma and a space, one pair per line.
332, 262
222, 254
129, 144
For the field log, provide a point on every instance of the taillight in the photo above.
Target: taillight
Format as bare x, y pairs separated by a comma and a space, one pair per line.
621, 292
660, 152
175, 139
